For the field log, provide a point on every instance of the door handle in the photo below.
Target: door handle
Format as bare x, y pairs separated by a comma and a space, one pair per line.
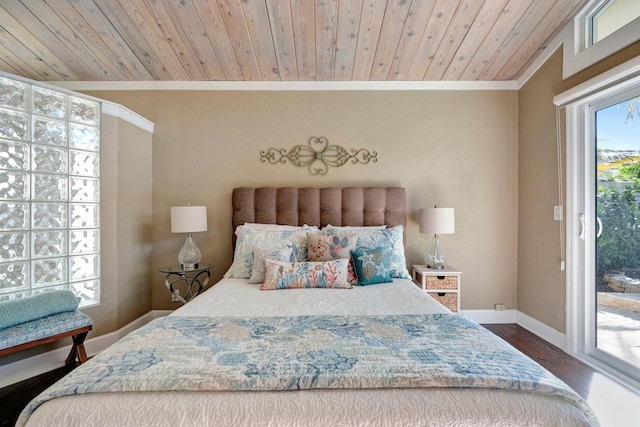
581, 216
599, 227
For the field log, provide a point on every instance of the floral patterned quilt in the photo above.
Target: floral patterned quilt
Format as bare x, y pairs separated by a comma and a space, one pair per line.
308, 352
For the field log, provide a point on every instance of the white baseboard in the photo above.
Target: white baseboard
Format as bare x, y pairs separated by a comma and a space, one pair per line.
36, 365
491, 316
21, 370
545, 332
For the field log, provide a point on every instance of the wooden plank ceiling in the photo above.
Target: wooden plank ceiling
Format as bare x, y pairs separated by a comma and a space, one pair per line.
287, 40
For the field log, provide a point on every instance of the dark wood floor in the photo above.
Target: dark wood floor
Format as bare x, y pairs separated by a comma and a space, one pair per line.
573, 372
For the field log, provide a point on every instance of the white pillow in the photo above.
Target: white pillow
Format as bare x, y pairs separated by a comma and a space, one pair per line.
259, 255
272, 227
347, 228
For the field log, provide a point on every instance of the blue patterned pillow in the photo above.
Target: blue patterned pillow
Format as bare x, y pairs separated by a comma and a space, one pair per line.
292, 275
390, 239
243, 255
371, 266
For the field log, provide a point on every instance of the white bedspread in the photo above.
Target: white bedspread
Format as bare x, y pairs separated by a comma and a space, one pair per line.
237, 298
383, 407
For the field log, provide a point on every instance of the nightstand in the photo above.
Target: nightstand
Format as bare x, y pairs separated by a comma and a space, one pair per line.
443, 285
193, 279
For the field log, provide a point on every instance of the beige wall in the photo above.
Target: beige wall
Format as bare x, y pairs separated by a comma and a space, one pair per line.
454, 148
126, 214
541, 284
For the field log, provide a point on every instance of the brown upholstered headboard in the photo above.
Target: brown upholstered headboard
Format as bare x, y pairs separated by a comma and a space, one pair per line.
320, 206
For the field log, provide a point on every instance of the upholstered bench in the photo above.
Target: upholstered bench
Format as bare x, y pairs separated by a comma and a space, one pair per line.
42, 318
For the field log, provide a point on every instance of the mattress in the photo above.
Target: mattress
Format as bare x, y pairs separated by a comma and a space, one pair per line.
235, 298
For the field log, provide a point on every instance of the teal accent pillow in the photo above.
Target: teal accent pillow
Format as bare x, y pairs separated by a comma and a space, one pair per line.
371, 266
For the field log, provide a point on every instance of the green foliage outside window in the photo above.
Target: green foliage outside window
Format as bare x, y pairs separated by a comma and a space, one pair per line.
618, 248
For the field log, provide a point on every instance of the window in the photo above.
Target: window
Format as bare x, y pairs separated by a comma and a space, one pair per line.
600, 29
610, 17
49, 192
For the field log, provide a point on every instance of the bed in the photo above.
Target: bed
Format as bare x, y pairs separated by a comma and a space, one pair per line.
383, 354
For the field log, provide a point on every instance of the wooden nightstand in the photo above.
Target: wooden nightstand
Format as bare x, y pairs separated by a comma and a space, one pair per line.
443, 285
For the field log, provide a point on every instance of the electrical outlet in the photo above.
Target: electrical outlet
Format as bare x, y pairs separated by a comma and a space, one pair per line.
498, 306
557, 213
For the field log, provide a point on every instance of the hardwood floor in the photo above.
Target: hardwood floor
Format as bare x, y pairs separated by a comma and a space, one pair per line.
575, 373
15, 397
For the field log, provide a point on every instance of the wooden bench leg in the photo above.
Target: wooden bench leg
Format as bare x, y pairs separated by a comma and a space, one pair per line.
77, 350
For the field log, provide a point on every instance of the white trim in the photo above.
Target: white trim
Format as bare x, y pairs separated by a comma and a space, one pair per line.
576, 59
491, 316
538, 328
542, 330
288, 85
21, 370
121, 112
623, 72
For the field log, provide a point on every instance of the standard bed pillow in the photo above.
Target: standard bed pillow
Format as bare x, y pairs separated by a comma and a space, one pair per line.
321, 247
259, 255
371, 266
296, 275
273, 227
390, 239
327, 228
242, 265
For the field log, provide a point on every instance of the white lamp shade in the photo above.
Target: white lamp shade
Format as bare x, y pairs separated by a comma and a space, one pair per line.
437, 221
188, 219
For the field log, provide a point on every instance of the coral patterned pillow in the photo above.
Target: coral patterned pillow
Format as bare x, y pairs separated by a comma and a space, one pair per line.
292, 275
325, 248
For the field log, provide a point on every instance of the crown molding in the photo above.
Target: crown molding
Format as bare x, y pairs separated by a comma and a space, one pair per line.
121, 112
288, 85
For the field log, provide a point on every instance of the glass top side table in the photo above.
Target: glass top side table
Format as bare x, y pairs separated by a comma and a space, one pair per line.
192, 280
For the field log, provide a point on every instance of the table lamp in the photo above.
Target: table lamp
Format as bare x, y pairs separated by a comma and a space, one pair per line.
189, 219
437, 221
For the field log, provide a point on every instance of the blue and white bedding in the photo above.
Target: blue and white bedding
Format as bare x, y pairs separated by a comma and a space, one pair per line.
360, 368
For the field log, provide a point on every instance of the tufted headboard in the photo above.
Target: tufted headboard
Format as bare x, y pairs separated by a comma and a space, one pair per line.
319, 206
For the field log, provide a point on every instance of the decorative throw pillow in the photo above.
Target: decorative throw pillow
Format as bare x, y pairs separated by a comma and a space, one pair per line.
259, 255
391, 239
325, 248
371, 266
242, 265
292, 275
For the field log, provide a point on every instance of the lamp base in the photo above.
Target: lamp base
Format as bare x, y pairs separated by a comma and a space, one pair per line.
189, 266
435, 257
189, 255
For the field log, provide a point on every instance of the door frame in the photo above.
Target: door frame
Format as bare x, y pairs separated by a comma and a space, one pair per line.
581, 253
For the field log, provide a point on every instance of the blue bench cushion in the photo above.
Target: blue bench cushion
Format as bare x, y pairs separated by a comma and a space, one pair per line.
16, 311
42, 328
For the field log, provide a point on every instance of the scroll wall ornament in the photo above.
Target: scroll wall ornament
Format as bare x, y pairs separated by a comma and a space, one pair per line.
318, 156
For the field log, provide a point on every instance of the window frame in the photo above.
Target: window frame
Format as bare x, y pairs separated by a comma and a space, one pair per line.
578, 103
580, 53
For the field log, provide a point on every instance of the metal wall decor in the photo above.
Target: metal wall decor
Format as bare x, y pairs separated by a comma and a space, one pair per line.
318, 155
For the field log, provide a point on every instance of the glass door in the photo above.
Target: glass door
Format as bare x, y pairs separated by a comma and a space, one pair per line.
613, 318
